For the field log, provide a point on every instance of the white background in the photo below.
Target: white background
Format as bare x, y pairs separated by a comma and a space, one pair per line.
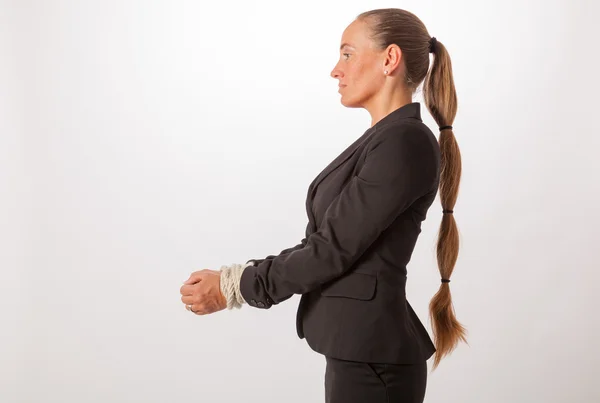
143, 140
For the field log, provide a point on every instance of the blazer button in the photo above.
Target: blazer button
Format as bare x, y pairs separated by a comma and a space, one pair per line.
260, 304
252, 302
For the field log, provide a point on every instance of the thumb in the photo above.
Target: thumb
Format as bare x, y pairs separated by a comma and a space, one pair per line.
192, 280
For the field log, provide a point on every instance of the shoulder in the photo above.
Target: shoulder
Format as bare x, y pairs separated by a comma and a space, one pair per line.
402, 152
411, 134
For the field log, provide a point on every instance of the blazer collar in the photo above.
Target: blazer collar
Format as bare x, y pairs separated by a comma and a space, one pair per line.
411, 110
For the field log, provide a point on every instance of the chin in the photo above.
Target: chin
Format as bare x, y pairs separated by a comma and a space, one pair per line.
348, 103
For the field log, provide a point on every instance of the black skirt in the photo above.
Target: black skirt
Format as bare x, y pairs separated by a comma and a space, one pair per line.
361, 382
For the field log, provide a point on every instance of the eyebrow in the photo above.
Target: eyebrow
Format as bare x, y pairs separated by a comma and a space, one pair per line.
346, 44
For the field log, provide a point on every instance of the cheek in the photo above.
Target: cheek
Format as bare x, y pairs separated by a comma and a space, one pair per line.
363, 75
357, 73
364, 81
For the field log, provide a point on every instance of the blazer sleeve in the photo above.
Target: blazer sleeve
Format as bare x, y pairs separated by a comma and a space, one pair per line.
301, 245
400, 167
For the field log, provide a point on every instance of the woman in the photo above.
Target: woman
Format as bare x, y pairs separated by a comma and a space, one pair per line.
365, 212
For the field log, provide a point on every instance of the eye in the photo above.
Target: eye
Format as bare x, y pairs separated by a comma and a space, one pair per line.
346, 54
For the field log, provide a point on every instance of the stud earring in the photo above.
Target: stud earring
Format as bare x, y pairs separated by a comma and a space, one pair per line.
385, 71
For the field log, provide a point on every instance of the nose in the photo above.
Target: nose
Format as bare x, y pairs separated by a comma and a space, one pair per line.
336, 73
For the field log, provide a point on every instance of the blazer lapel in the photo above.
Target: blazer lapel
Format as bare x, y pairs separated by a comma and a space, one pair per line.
343, 157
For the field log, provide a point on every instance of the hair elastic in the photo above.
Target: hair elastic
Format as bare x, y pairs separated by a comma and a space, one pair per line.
432, 43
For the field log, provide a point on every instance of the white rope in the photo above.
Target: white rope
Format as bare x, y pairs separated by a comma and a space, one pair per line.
230, 284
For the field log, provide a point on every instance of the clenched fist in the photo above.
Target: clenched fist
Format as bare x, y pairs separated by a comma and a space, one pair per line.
202, 292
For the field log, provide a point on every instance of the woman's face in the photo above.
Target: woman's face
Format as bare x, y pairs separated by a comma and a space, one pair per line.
359, 68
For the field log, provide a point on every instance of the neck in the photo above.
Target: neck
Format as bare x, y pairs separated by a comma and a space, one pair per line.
386, 104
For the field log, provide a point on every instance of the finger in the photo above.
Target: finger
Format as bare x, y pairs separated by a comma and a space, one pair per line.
187, 299
194, 278
187, 289
206, 308
202, 311
197, 309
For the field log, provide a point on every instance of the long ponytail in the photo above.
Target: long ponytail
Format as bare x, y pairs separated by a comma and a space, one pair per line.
440, 99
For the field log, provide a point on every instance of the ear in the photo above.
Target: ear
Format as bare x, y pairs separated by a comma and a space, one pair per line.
393, 58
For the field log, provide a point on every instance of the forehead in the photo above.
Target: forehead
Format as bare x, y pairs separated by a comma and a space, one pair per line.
355, 36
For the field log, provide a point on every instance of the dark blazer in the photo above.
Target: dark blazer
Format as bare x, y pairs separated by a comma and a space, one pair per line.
364, 217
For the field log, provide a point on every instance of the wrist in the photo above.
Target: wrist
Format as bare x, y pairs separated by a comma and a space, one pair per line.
230, 284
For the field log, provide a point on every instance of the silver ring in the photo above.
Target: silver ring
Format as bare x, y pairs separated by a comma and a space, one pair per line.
190, 308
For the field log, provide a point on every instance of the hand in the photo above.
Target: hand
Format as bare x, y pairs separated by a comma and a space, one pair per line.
203, 292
